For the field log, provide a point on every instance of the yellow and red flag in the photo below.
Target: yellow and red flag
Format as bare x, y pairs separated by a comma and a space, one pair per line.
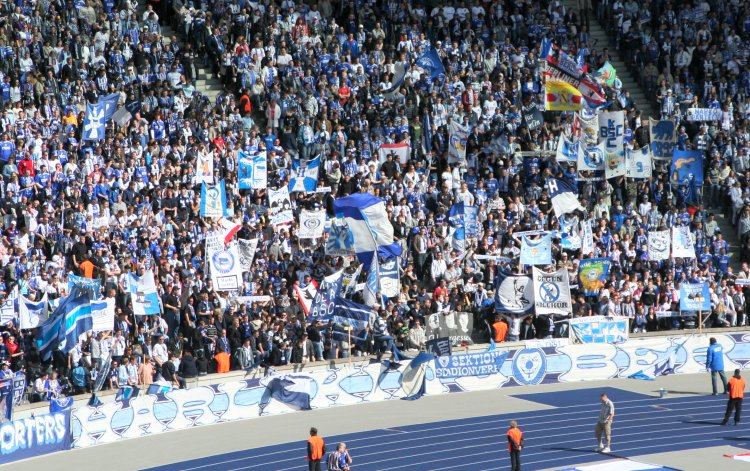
562, 96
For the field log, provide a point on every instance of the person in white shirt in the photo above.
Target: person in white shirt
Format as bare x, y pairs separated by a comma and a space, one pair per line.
159, 352
438, 267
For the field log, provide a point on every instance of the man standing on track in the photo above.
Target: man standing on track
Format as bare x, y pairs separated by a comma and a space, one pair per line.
604, 424
515, 444
715, 364
736, 391
316, 448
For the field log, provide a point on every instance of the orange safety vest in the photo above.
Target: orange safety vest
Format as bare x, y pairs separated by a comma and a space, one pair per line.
501, 329
315, 448
222, 362
517, 435
736, 388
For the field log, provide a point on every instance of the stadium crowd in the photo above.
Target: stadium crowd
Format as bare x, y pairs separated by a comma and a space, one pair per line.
308, 78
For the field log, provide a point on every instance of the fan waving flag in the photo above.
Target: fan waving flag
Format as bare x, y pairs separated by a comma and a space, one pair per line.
562, 96
431, 63
94, 126
563, 195
71, 319
304, 175
371, 231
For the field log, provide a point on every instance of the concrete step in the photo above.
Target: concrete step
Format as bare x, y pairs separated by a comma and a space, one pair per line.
729, 233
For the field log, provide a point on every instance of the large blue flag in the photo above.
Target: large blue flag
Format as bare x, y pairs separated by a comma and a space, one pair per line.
110, 105
687, 167
304, 175
348, 314
294, 390
94, 126
71, 319
563, 195
371, 231
431, 63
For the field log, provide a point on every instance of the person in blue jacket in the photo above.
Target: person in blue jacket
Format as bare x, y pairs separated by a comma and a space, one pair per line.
715, 364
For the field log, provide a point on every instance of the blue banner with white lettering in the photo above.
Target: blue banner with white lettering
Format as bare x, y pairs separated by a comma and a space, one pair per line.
92, 285
695, 297
687, 167
471, 364
34, 436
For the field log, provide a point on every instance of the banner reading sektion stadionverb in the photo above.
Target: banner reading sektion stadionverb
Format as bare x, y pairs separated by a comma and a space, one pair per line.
471, 364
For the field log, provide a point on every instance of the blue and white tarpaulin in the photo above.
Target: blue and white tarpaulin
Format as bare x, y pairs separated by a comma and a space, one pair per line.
600, 329
253, 171
35, 436
552, 292
213, 200
143, 294
514, 294
564, 196
371, 231
695, 297
304, 176
293, 390
536, 251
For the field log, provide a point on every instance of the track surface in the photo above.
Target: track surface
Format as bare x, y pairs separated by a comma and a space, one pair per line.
558, 437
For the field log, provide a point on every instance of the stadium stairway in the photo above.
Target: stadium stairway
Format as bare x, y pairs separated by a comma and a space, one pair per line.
729, 233
207, 83
600, 40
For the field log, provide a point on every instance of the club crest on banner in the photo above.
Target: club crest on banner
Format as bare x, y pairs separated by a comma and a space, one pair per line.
223, 262
529, 366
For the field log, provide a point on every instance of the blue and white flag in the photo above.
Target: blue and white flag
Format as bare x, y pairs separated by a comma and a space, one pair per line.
347, 314
431, 63
564, 196
61, 404
458, 238
414, 375
514, 293
682, 242
687, 167
323, 302
94, 125
372, 285
71, 319
471, 221
339, 240
125, 393
32, 313
536, 252
458, 135
213, 200
92, 285
304, 177
109, 102
143, 294
390, 281
253, 171
695, 297
552, 292
399, 76
567, 151
371, 231
8, 308
592, 159
293, 390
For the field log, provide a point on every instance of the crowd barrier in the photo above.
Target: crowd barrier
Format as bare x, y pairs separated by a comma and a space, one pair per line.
365, 382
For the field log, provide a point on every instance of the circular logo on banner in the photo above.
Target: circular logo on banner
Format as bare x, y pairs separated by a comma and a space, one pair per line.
549, 292
223, 262
529, 366
312, 224
444, 361
594, 157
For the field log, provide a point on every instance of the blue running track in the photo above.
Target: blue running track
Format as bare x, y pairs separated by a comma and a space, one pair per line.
558, 437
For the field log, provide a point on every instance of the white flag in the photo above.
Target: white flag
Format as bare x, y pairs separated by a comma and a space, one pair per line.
658, 245
682, 243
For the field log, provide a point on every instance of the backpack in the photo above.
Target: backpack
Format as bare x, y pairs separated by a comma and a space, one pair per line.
332, 461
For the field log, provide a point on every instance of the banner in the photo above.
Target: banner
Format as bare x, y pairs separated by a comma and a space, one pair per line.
607, 74
311, 224
457, 138
323, 303
552, 292
439, 347
536, 252
471, 364
103, 315
600, 329
682, 242
612, 131
8, 308
589, 129
514, 293
34, 436
401, 151
247, 249
253, 171
94, 126
92, 285
567, 151
695, 297
638, 162
587, 239
304, 176
663, 138
226, 271
213, 200
471, 221
339, 241
592, 273
615, 164
532, 115
204, 169
658, 245
570, 233
592, 159
430, 62
280, 207
390, 280
561, 96
687, 167
704, 114
455, 326
143, 294
32, 313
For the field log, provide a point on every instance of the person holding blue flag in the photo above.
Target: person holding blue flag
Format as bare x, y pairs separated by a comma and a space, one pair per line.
715, 364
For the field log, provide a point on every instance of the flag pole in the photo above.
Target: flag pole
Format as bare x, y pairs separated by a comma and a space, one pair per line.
700, 322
